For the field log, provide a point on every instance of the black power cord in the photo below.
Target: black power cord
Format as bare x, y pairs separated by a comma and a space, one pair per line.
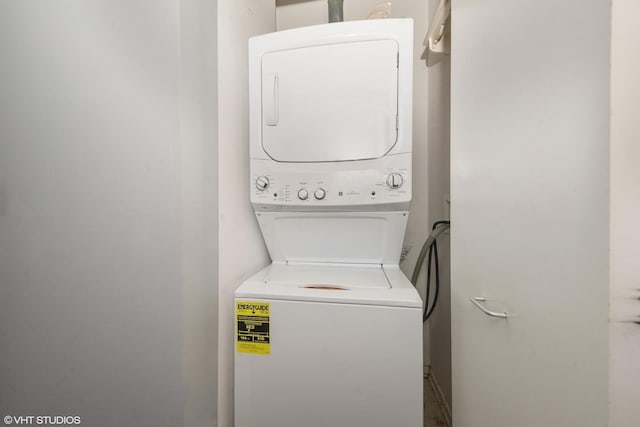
430, 247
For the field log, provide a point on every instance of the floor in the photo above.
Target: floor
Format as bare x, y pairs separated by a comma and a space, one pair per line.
433, 416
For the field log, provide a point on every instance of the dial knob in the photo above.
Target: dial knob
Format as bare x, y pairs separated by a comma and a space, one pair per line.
320, 194
262, 183
303, 194
395, 180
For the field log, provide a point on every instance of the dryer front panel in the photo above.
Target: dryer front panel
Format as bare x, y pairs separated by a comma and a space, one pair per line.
331, 102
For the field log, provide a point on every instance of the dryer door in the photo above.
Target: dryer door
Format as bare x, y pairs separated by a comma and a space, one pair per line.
333, 102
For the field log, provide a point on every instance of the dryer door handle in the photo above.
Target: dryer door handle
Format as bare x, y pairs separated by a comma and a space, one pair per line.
270, 102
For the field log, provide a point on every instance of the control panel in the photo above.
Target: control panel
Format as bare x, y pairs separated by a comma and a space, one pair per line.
293, 186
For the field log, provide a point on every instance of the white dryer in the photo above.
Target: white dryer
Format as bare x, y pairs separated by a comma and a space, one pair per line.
330, 334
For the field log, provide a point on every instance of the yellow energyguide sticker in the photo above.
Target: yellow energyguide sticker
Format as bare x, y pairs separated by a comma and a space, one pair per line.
252, 327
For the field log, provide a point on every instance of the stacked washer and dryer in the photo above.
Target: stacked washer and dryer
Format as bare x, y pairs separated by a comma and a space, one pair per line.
330, 334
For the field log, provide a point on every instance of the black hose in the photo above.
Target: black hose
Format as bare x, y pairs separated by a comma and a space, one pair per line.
430, 248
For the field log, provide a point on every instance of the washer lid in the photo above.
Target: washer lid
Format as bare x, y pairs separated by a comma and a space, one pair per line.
360, 238
338, 277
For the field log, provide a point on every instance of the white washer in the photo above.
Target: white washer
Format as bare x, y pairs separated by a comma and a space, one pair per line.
330, 334
349, 357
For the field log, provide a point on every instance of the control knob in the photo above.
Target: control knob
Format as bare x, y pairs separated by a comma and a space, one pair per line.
262, 183
394, 180
320, 193
303, 194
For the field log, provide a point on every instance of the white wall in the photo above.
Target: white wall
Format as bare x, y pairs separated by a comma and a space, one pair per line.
300, 13
90, 211
242, 251
624, 213
199, 173
108, 211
